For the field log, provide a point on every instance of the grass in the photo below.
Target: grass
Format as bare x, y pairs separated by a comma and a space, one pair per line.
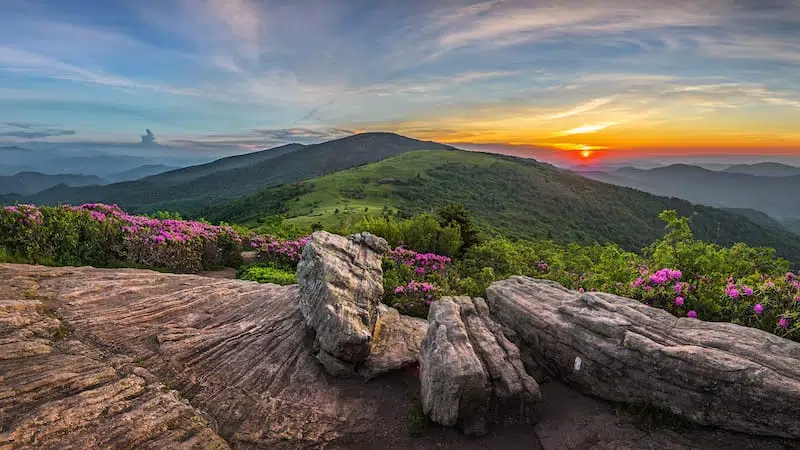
265, 273
417, 422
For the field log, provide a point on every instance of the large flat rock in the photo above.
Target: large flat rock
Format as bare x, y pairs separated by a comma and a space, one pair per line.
165, 360
619, 349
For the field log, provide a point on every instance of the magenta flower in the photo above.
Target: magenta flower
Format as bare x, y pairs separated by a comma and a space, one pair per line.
758, 309
679, 301
678, 288
783, 323
732, 292
581, 290
748, 291
692, 314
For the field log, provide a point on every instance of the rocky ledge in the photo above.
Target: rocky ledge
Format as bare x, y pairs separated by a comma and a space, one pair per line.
619, 349
123, 358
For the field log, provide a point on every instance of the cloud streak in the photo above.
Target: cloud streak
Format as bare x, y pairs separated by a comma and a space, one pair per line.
31, 131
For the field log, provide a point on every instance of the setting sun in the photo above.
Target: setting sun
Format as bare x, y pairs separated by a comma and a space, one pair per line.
586, 153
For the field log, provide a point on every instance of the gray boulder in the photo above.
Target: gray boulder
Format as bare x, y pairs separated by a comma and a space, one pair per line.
471, 374
341, 285
395, 343
619, 349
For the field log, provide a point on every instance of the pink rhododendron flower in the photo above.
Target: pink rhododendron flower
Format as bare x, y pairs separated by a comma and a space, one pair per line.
679, 301
759, 308
783, 323
692, 314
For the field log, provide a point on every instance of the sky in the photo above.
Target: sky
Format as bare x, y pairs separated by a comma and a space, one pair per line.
600, 79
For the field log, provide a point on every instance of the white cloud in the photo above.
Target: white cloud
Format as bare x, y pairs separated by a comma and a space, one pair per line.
20, 61
582, 108
590, 128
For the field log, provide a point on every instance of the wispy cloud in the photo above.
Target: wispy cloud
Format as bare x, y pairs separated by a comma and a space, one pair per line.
589, 128
264, 138
31, 131
582, 108
20, 61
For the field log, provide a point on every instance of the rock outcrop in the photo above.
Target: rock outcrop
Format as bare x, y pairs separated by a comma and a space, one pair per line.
132, 358
471, 374
124, 358
341, 286
619, 349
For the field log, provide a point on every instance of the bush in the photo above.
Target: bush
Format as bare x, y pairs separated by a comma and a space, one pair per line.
423, 233
267, 274
103, 235
283, 254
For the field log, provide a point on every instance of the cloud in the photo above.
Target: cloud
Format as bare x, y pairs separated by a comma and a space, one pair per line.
148, 138
583, 129
582, 108
36, 65
512, 23
303, 134
264, 138
31, 131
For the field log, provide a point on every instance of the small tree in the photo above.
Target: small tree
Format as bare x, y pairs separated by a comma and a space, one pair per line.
456, 214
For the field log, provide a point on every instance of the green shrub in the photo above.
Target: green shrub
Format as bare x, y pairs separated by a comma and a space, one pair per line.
423, 233
267, 274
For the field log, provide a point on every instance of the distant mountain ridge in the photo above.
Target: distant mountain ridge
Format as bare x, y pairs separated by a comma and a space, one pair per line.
142, 171
767, 169
190, 189
772, 195
27, 183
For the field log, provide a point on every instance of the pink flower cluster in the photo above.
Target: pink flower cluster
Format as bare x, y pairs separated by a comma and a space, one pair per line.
160, 231
27, 214
735, 291
422, 263
283, 251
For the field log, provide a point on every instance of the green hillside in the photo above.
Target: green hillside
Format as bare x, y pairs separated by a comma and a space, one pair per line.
516, 197
190, 189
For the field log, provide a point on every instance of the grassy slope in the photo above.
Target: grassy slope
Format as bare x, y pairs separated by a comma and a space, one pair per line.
516, 197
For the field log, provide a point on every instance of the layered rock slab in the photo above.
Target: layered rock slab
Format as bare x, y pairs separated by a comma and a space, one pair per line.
471, 374
59, 393
179, 359
619, 349
341, 286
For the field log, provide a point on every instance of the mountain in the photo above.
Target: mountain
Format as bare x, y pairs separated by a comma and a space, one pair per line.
771, 195
193, 188
766, 169
140, 172
519, 198
27, 183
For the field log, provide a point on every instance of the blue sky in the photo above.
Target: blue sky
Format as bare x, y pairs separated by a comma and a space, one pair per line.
624, 75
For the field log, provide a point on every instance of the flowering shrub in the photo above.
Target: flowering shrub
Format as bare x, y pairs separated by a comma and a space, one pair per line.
411, 280
422, 263
414, 297
99, 234
284, 253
